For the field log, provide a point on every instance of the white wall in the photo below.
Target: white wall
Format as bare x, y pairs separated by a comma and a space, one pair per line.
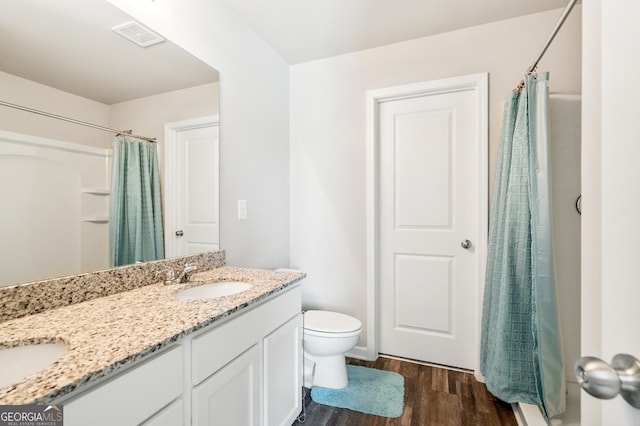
328, 146
254, 114
27, 93
147, 116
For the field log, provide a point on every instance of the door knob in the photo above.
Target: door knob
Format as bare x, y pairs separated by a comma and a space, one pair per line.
605, 381
466, 244
179, 233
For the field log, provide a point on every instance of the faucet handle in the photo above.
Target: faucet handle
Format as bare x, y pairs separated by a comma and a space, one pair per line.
188, 270
169, 277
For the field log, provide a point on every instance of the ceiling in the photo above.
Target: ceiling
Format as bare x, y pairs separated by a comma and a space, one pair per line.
69, 45
304, 30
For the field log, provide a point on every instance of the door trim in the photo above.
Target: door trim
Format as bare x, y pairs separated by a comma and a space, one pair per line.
474, 82
171, 131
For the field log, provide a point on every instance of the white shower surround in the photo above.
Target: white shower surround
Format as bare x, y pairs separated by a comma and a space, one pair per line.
68, 232
565, 117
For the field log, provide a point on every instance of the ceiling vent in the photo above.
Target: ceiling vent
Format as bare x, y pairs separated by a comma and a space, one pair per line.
138, 34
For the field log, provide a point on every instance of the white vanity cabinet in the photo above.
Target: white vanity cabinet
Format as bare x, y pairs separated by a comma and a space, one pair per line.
147, 393
245, 370
248, 371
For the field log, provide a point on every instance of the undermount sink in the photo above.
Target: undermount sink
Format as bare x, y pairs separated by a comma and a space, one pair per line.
27, 360
213, 290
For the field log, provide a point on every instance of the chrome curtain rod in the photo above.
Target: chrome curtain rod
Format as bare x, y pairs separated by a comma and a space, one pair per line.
554, 32
73, 120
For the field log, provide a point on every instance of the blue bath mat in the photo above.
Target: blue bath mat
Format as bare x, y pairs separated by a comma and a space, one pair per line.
369, 391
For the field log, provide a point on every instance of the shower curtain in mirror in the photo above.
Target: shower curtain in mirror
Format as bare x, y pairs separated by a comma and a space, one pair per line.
135, 212
521, 347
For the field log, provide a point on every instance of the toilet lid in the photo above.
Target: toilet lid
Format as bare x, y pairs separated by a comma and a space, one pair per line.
330, 322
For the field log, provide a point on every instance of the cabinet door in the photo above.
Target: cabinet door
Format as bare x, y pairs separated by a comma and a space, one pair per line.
283, 373
232, 395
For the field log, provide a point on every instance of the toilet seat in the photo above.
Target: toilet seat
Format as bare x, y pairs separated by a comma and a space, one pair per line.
327, 323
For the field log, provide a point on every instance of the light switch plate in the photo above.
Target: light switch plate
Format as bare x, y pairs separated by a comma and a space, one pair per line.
242, 209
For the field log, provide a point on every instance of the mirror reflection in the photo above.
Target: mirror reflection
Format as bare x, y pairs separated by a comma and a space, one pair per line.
62, 57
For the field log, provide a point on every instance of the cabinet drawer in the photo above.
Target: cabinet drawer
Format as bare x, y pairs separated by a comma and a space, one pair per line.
215, 348
131, 397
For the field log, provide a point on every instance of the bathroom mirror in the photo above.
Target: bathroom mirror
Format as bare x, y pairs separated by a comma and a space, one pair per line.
62, 57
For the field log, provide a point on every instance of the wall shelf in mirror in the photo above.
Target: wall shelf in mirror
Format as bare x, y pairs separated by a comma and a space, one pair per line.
96, 219
96, 191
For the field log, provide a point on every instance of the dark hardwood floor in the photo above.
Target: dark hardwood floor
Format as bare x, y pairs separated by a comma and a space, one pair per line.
432, 397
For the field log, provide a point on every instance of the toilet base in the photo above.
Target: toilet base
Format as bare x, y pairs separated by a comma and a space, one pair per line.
308, 373
327, 371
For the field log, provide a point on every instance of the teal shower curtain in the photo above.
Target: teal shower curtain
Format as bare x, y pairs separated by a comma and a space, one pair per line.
521, 346
135, 211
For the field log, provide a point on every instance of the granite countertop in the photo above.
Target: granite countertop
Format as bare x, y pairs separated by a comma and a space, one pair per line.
109, 333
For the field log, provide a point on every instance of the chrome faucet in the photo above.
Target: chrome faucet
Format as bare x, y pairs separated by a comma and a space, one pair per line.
184, 275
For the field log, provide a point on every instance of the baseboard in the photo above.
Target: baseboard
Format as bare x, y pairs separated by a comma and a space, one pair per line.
360, 352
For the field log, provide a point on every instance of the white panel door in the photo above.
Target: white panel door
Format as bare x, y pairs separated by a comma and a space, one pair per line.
428, 205
611, 178
196, 198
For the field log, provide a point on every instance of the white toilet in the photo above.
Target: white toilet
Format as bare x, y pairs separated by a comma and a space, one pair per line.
327, 336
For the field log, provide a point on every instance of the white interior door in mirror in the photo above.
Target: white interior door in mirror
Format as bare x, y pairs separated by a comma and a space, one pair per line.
192, 187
